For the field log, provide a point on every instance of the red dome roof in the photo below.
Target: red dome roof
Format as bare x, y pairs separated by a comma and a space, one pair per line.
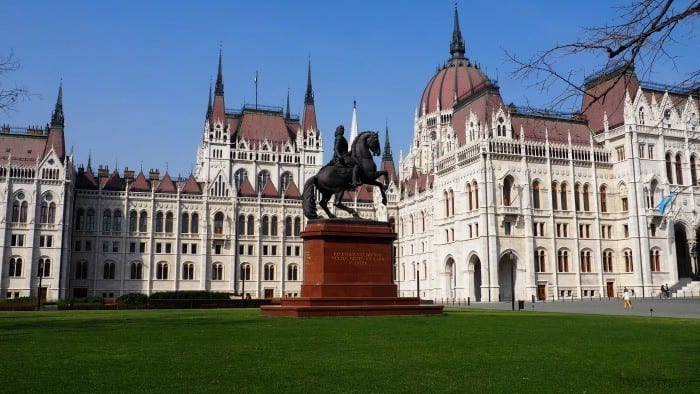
459, 76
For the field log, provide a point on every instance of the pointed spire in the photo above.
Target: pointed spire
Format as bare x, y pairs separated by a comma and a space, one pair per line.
219, 79
89, 166
387, 156
209, 105
309, 98
354, 126
57, 117
457, 44
287, 115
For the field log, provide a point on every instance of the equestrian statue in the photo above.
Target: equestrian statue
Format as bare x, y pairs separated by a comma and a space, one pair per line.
346, 171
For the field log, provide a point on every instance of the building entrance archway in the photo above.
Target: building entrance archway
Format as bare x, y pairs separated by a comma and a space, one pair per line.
507, 276
475, 265
682, 252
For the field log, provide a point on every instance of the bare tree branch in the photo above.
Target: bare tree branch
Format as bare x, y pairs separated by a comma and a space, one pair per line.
639, 37
10, 96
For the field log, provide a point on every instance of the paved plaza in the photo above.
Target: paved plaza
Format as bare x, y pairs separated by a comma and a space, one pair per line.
656, 307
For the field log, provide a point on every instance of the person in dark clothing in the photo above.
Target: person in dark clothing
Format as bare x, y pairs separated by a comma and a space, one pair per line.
342, 157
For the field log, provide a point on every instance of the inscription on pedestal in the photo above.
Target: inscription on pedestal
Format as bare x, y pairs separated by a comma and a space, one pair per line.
356, 258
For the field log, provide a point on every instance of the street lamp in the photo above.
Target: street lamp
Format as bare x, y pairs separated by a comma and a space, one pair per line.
512, 279
38, 290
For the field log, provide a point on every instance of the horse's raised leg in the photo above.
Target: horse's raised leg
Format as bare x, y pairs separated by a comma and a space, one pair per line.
382, 189
339, 204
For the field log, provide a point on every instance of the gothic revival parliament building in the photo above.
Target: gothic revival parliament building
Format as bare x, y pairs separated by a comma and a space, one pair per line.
492, 201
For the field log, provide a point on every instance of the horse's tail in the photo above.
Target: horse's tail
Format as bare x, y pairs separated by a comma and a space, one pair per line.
309, 198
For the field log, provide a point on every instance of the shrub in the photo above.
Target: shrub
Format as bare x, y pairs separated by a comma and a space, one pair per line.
190, 295
133, 299
19, 300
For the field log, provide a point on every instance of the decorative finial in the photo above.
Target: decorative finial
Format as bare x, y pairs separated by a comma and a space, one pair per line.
57, 119
457, 44
309, 98
219, 78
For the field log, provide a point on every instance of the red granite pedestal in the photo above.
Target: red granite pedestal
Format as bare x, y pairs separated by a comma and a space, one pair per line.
347, 272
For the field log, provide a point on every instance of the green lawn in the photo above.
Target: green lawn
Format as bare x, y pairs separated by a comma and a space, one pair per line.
240, 351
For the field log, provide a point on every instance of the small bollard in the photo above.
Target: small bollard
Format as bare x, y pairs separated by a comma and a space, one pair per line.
469, 301
651, 312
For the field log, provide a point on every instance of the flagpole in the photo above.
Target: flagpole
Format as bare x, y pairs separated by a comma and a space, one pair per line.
256, 89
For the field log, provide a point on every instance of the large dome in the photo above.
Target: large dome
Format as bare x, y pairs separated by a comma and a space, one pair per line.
457, 80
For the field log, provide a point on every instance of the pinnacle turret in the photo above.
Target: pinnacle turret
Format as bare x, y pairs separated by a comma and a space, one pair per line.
57, 117
309, 98
219, 79
387, 156
457, 45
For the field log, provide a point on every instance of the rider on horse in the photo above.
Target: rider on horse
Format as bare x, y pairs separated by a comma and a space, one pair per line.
341, 155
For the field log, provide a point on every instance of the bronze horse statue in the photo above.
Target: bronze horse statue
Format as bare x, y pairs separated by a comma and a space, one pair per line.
335, 180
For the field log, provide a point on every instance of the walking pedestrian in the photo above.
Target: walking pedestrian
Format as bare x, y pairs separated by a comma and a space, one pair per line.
626, 298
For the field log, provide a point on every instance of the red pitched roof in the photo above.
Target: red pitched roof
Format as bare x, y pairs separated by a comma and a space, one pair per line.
557, 129
264, 125
365, 193
23, 148
114, 182
85, 179
166, 185
140, 183
612, 88
191, 186
246, 189
55, 140
309, 118
292, 191
269, 190
388, 166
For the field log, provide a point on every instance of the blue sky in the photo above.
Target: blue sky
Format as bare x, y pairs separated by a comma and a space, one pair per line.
136, 74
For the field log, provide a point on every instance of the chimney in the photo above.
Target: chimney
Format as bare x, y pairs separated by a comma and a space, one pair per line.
103, 172
128, 174
154, 175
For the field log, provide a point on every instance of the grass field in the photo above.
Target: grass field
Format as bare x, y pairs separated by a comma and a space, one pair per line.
240, 351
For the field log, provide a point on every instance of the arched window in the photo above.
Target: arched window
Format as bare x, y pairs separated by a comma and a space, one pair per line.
564, 191
507, 185
108, 272
540, 262
288, 226
132, 221
269, 272
693, 171
106, 221
469, 197
219, 223
608, 261
554, 196
655, 260
23, 212
250, 224
651, 203
44, 268
263, 177
185, 226
44, 216
412, 223
285, 180
90, 220
447, 203
79, 217
81, 270
603, 199
143, 222
292, 272
679, 170
169, 222
194, 226
577, 197
536, 195
669, 174
217, 271
239, 177
188, 271
563, 260
240, 228
15, 267
162, 271
245, 271
475, 187
629, 264
160, 221
452, 202
265, 225
586, 265
586, 200
52, 213
297, 226
136, 271
641, 115
117, 222
273, 226
15, 215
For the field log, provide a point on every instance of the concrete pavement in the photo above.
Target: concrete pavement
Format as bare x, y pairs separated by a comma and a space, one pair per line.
673, 307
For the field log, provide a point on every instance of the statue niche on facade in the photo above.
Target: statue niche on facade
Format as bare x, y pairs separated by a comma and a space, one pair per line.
346, 171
